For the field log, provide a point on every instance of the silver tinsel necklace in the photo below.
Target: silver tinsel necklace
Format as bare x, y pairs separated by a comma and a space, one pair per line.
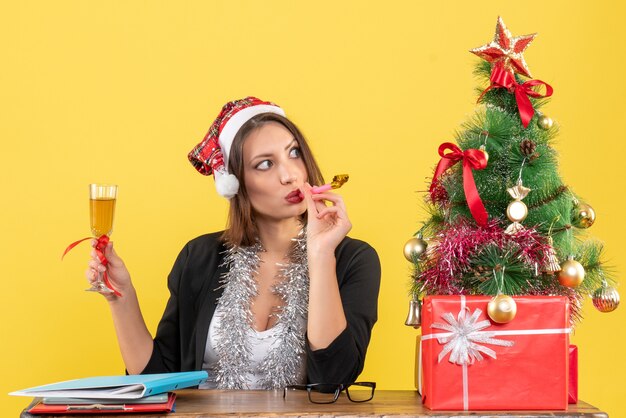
281, 366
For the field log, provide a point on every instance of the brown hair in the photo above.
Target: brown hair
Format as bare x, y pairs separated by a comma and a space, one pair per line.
242, 230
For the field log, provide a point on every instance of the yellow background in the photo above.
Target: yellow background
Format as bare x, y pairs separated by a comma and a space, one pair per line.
120, 91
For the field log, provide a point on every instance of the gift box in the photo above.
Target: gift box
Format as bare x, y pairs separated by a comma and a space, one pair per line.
572, 392
469, 362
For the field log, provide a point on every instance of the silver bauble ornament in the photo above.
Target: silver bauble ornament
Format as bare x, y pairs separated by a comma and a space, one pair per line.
502, 309
606, 298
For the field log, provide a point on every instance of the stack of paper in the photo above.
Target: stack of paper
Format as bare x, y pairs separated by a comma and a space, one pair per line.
112, 394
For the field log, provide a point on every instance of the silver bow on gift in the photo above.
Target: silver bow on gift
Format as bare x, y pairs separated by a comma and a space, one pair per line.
465, 336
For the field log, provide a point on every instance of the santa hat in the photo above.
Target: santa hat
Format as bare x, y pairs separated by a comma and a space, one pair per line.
211, 155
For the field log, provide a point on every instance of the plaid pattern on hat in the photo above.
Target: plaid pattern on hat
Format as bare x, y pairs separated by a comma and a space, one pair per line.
207, 156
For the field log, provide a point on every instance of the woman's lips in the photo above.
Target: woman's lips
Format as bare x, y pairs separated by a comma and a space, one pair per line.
294, 197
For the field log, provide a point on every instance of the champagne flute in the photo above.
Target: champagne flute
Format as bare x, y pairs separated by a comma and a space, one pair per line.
102, 198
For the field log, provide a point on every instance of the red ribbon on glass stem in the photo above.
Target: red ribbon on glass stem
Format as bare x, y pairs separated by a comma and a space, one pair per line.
473, 159
502, 78
101, 245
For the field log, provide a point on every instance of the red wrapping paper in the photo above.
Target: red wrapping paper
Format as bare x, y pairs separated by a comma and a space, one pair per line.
572, 393
531, 374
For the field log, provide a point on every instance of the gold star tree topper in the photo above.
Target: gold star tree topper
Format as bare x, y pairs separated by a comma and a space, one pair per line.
506, 50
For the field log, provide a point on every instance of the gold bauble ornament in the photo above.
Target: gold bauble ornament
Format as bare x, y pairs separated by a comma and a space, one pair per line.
484, 150
606, 298
584, 216
502, 309
414, 248
572, 273
544, 122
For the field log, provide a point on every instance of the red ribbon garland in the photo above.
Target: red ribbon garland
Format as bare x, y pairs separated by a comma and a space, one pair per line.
501, 78
473, 159
101, 245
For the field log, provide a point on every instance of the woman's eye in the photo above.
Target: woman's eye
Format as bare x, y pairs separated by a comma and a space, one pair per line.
295, 153
264, 165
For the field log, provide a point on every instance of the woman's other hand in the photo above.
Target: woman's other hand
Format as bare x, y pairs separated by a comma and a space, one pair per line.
326, 225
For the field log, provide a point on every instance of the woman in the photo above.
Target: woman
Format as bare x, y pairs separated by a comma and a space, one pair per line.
280, 297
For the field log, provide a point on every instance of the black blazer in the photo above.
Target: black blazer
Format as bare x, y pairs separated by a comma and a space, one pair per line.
194, 290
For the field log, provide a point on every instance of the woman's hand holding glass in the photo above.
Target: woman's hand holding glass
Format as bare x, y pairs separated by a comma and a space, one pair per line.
102, 199
326, 225
118, 274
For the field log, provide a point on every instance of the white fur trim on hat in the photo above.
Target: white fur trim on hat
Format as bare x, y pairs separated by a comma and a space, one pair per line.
236, 121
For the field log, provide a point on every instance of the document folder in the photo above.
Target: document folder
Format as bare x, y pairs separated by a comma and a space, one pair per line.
97, 408
160, 398
117, 387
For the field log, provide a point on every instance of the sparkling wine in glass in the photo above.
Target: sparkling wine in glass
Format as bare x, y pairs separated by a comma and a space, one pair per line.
102, 198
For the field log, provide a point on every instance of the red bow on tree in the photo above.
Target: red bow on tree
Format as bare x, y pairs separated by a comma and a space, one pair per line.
502, 78
473, 159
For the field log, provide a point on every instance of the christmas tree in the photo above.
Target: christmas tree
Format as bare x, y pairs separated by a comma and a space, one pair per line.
502, 221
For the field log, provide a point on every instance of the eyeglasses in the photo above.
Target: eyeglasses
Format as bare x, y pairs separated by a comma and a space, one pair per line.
329, 392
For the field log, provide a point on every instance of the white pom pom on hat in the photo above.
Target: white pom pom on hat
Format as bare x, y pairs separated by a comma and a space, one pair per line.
226, 184
211, 155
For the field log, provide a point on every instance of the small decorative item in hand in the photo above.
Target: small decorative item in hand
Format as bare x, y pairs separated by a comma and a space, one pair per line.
337, 182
